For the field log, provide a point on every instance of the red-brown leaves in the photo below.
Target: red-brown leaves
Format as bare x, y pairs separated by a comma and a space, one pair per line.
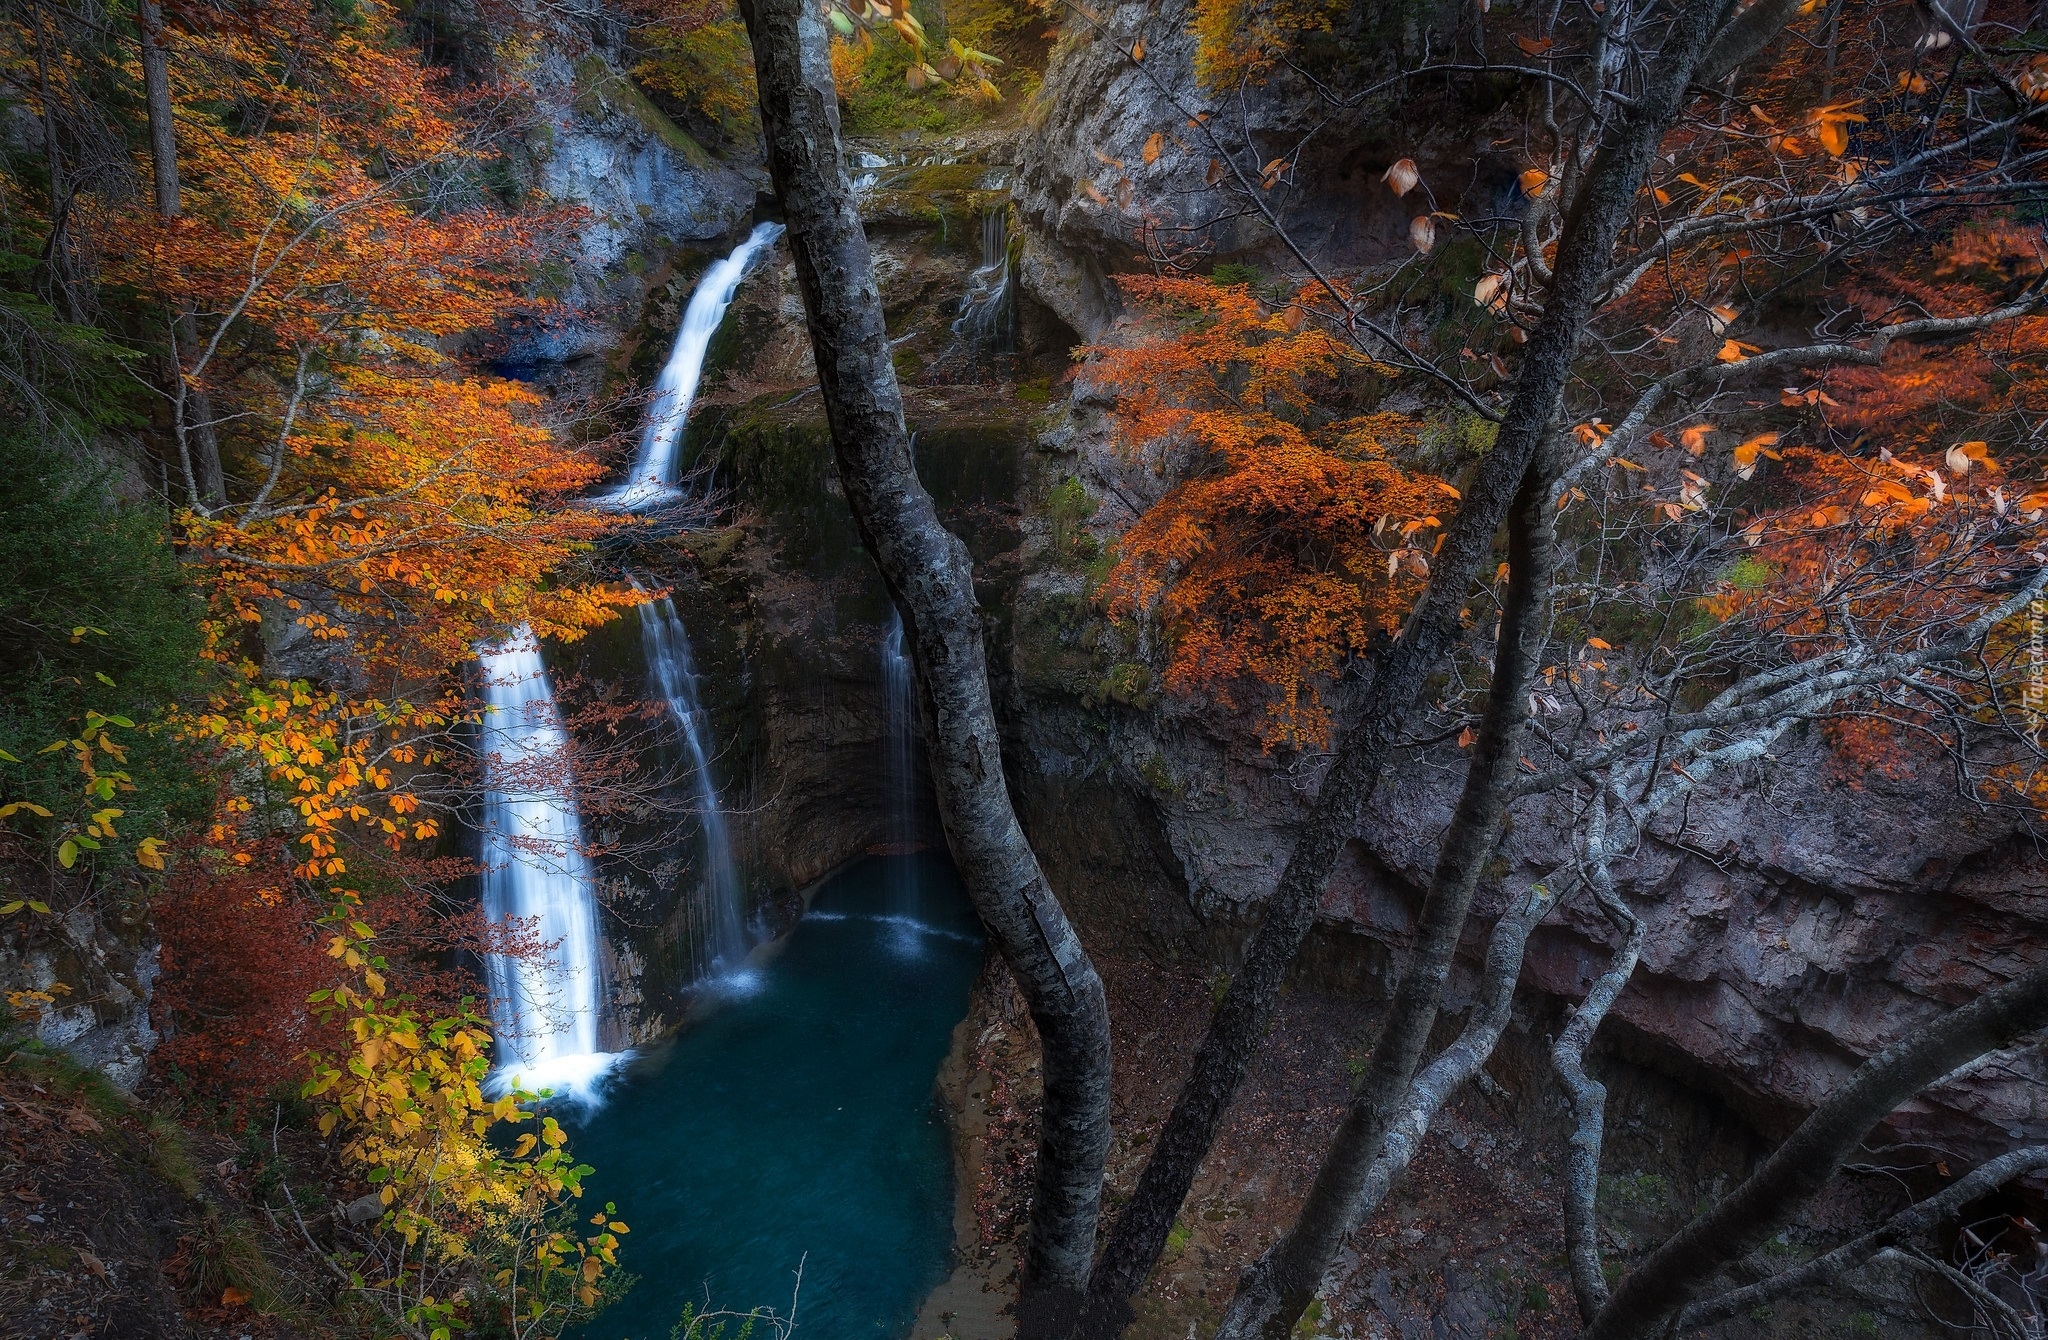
1292, 542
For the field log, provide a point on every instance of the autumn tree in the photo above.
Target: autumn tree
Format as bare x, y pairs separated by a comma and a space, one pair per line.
328, 228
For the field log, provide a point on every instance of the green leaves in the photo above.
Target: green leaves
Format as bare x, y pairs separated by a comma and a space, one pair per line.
10, 908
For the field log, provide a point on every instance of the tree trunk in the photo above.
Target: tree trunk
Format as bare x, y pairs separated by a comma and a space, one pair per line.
191, 407
1240, 1021
928, 573
1278, 1289
57, 253
1791, 1176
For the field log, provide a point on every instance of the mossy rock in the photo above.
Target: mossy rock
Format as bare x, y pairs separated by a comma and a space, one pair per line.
601, 90
713, 548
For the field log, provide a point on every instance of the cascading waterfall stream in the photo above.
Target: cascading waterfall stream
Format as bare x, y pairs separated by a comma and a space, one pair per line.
722, 938
546, 1006
654, 466
899, 762
899, 759
984, 322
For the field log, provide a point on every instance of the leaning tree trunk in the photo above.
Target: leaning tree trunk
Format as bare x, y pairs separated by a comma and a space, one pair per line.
1741, 1222
1241, 1019
1278, 1289
928, 573
191, 406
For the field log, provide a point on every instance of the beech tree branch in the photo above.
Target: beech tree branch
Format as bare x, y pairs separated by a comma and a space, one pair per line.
1795, 1172
1589, 1096
1913, 1222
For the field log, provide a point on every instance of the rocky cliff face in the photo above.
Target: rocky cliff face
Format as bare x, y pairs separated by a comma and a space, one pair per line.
1116, 168
80, 980
646, 187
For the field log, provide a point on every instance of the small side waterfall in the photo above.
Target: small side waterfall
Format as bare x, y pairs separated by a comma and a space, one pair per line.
986, 322
654, 465
534, 867
722, 937
899, 759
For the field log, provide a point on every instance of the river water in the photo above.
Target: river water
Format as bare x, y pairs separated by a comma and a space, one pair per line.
793, 1122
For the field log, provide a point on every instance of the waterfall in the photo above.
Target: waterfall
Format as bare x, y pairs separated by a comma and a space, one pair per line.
722, 939
654, 465
984, 321
899, 772
545, 1007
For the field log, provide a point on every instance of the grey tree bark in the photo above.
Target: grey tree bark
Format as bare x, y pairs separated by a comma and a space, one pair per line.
1598, 210
1740, 1222
1588, 1095
191, 407
928, 573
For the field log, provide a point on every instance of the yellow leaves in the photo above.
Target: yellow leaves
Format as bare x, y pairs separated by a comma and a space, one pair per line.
1720, 318
1830, 126
1963, 455
1534, 181
1154, 144
1402, 176
1138, 50
1734, 351
1813, 395
2032, 82
1747, 452
1599, 644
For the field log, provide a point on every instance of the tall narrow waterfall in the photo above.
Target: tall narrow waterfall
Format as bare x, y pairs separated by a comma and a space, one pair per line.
721, 928
654, 465
546, 1007
985, 319
899, 759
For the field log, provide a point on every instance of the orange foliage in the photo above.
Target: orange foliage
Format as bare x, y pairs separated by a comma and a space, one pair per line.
338, 244
1924, 396
1242, 40
1296, 539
